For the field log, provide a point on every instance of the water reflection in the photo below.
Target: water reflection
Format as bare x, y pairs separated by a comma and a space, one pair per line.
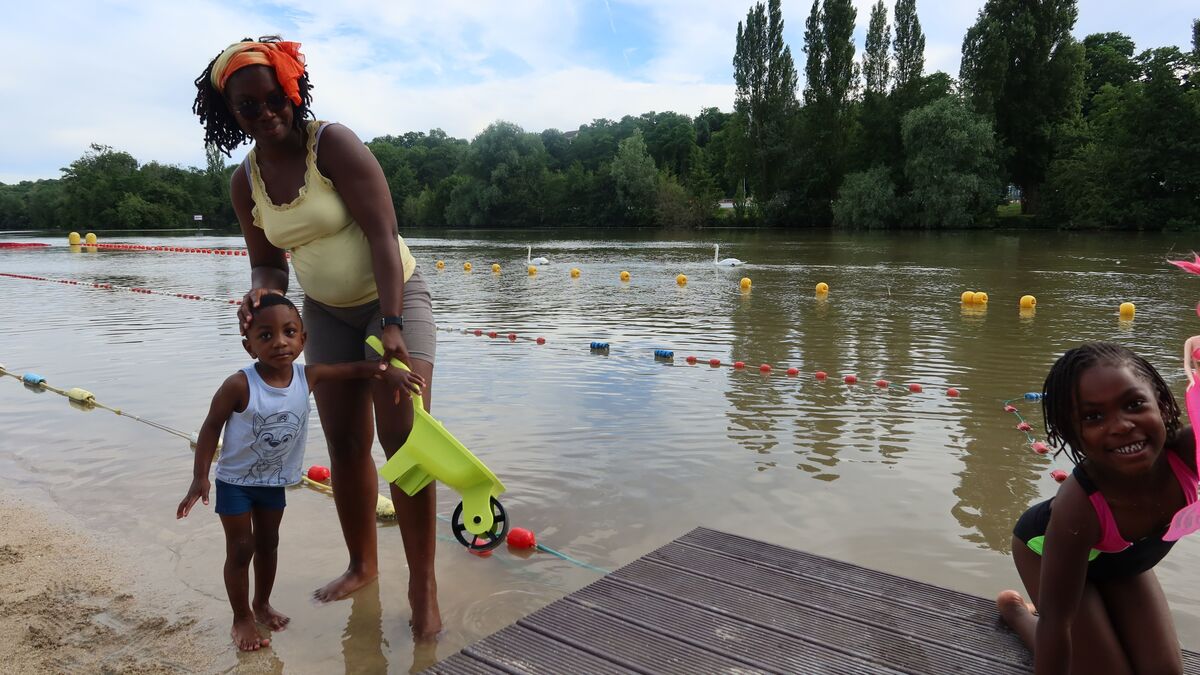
363, 643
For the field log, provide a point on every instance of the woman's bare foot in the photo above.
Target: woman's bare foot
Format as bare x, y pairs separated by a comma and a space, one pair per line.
426, 619
270, 617
1020, 616
245, 634
350, 581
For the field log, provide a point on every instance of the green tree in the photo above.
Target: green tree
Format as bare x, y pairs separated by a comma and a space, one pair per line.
503, 177
1108, 60
670, 138
866, 199
876, 67
635, 180
909, 47
765, 98
949, 164
1023, 70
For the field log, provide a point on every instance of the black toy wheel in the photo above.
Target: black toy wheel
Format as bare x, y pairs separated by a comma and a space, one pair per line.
486, 541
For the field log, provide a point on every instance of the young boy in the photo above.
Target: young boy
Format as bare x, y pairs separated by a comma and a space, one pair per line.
264, 411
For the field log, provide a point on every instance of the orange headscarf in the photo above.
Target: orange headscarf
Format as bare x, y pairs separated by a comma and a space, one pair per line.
284, 57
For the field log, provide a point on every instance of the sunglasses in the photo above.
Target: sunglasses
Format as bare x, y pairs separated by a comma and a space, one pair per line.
252, 110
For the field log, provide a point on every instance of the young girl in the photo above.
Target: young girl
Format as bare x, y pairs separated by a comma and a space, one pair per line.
1086, 556
264, 411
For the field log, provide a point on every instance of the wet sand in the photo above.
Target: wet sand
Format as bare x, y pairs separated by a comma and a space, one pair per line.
70, 603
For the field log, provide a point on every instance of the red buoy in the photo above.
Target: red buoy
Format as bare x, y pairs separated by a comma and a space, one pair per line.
477, 332
1024, 426
520, 537
850, 379
481, 553
914, 388
492, 334
512, 337
821, 375
764, 368
1010, 408
793, 371
691, 359
541, 341
714, 362
739, 364
952, 392
1058, 475
1040, 447
882, 384
318, 473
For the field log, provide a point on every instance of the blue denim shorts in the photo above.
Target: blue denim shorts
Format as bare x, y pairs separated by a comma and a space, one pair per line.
234, 500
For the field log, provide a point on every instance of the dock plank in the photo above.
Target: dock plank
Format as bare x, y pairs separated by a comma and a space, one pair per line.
715, 602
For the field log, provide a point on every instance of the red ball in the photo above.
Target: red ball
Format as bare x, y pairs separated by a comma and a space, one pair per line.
318, 473
714, 362
541, 341
739, 364
691, 359
793, 371
520, 537
952, 392
882, 384
764, 368
850, 379
914, 388
1058, 475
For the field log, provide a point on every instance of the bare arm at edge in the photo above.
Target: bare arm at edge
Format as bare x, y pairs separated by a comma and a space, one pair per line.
268, 264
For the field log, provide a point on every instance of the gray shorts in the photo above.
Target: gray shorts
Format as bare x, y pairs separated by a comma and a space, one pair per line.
338, 334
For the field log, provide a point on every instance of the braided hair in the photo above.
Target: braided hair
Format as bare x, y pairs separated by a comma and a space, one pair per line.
1061, 389
220, 128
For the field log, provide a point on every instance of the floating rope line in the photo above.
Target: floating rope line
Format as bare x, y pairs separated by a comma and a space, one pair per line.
662, 355
115, 287
558, 554
170, 249
1026, 428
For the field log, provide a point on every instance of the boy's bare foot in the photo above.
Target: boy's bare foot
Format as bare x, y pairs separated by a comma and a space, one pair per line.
245, 635
270, 617
350, 581
426, 619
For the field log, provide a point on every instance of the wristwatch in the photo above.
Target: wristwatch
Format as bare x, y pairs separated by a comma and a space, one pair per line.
386, 321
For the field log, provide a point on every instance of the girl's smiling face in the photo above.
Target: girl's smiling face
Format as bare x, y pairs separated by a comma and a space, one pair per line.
1120, 422
253, 96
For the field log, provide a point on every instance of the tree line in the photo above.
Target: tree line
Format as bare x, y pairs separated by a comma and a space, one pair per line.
1054, 130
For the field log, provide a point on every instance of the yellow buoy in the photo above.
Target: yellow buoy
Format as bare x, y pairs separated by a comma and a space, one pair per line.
822, 288
90, 239
73, 239
968, 297
532, 270
980, 298
1028, 302
496, 268
624, 275
745, 283
441, 264
466, 267
574, 272
681, 279
1127, 310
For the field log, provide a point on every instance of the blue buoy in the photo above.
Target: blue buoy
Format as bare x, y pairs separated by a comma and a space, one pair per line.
599, 346
32, 379
1033, 396
664, 354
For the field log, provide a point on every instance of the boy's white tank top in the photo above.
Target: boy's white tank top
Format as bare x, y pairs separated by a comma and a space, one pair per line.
264, 444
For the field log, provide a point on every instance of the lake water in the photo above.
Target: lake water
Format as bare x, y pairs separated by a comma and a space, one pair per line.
608, 456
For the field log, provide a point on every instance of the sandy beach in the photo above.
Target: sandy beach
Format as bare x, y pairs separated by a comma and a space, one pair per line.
70, 603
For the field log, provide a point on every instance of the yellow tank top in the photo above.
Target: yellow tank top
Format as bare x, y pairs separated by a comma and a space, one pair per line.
329, 250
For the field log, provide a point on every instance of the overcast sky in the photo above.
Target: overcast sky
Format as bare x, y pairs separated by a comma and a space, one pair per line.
121, 72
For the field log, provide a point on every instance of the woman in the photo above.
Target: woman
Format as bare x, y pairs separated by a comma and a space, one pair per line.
332, 211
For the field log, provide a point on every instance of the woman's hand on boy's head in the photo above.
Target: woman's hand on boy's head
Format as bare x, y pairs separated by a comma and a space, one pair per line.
197, 491
250, 303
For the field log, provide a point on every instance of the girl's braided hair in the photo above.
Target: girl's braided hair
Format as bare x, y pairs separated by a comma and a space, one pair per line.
1061, 389
220, 127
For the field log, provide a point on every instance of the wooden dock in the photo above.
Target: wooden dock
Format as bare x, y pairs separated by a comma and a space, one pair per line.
713, 602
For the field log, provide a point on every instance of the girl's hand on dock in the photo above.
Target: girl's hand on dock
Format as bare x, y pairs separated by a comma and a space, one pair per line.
198, 490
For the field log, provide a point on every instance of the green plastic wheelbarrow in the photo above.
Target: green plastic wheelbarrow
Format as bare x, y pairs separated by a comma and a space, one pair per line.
433, 453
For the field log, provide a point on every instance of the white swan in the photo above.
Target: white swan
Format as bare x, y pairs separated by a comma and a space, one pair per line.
534, 261
727, 262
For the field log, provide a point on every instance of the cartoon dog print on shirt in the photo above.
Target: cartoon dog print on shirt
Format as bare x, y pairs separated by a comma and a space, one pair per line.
274, 437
